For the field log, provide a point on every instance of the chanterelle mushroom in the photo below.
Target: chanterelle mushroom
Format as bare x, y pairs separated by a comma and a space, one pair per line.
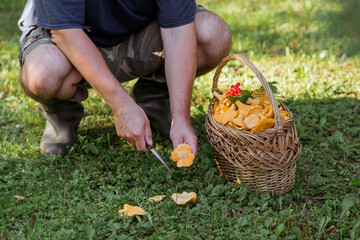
183, 198
183, 155
157, 198
132, 211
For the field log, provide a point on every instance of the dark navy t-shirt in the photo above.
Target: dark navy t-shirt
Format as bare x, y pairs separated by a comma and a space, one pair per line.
109, 22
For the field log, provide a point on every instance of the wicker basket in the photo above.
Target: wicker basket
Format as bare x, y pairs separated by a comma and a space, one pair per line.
265, 160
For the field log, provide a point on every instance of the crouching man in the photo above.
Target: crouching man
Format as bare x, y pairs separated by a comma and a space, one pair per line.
69, 45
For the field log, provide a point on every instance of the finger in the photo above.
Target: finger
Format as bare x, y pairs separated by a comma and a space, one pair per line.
140, 141
194, 144
148, 135
140, 145
177, 141
130, 141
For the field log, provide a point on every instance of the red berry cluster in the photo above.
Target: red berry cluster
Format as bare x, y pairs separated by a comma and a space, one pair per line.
234, 90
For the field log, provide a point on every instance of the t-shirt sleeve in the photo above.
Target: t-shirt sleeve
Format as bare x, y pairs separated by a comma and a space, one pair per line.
175, 13
60, 14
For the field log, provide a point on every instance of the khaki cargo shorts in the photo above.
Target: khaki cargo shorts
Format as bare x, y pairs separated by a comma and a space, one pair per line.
140, 55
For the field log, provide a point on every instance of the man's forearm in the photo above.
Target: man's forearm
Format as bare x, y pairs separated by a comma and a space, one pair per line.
180, 46
87, 59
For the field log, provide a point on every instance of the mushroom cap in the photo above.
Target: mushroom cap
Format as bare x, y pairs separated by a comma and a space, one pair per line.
228, 116
242, 106
252, 121
184, 198
239, 120
157, 198
284, 115
187, 161
220, 97
132, 211
183, 155
260, 101
256, 110
264, 123
269, 111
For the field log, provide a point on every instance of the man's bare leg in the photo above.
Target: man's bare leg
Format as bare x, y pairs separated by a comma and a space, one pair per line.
214, 41
49, 78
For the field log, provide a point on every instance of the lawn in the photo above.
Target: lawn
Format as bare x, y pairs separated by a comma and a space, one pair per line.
78, 196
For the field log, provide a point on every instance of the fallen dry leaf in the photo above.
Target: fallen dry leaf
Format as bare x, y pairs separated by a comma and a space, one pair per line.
19, 197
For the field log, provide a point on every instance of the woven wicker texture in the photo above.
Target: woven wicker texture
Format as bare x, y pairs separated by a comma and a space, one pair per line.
265, 160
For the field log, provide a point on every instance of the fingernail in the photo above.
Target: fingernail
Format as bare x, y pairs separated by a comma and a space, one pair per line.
150, 142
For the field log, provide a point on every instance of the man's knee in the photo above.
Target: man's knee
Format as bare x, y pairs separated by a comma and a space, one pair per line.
214, 39
35, 82
44, 73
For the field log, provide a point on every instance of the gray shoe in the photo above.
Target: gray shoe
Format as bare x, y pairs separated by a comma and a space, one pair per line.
153, 97
62, 122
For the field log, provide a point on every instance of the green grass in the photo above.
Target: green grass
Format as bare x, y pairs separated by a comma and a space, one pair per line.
78, 197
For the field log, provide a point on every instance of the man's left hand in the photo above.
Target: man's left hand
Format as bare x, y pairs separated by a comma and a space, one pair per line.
182, 132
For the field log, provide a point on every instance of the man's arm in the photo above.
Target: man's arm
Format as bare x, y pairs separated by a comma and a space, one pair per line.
130, 120
180, 45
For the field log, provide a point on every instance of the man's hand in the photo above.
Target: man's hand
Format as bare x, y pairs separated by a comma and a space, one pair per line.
130, 120
133, 125
182, 132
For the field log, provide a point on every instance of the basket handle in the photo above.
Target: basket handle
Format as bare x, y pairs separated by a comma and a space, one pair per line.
224, 61
278, 122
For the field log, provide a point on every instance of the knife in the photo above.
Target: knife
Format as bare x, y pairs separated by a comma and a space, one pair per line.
151, 148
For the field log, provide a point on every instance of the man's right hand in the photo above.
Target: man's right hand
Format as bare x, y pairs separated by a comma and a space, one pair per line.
133, 125
130, 120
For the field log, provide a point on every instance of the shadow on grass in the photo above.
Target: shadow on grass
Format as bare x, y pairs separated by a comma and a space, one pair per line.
102, 172
305, 27
344, 24
263, 38
328, 130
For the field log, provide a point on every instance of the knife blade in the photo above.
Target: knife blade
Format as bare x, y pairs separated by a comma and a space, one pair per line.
151, 148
